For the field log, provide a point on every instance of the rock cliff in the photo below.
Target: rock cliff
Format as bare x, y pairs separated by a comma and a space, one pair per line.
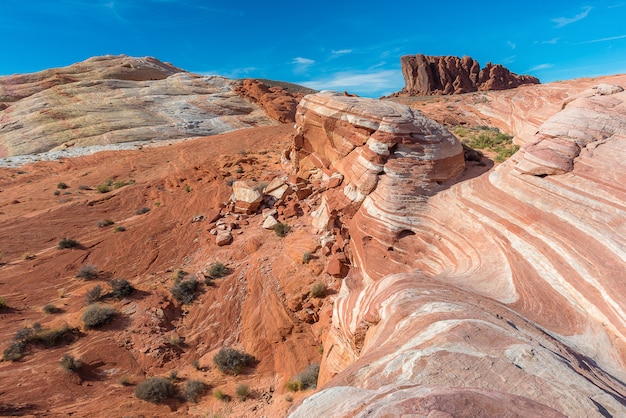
502, 294
425, 75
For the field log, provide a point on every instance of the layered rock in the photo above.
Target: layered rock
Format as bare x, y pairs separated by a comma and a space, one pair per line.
277, 102
499, 295
116, 99
425, 75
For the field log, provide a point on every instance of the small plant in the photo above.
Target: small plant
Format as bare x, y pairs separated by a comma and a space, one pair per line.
103, 188
94, 294
180, 274
157, 204
193, 389
173, 375
70, 364
28, 256
187, 188
51, 309
218, 270
306, 257
232, 361
121, 288
239, 169
219, 394
97, 315
141, 211
105, 222
57, 193
67, 243
124, 380
281, 229
3, 303
14, 351
293, 385
318, 290
196, 364
62, 185
243, 391
154, 389
120, 228
184, 291
87, 272
307, 379
84, 187
121, 183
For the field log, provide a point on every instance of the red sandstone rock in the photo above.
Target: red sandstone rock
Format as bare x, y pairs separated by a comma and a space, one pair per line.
277, 102
338, 265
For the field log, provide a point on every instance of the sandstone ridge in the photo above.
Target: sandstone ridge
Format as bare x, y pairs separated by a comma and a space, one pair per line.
432, 75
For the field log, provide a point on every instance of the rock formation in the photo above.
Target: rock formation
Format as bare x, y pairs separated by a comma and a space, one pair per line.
277, 102
499, 295
426, 75
116, 99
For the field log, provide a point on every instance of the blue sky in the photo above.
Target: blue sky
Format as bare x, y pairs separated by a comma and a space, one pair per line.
340, 45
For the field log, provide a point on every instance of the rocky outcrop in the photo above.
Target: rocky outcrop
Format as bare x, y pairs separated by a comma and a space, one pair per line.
117, 99
426, 75
277, 102
595, 117
502, 291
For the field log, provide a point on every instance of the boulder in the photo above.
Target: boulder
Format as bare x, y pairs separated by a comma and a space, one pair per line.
247, 199
338, 265
277, 189
270, 222
223, 237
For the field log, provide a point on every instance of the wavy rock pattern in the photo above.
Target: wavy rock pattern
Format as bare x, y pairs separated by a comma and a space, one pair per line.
504, 297
115, 99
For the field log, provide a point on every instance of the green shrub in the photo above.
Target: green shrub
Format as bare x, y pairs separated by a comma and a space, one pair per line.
187, 188
121, 183
51, 309
97, 315
318, 290
87, 272
306, 379
120, 228
306, 257
51, 337
193, 389
231, 361
243, 391
62, 185
70, 364
67, 243
105, 222
281, 229
184, 291
121, 288
293, 385
217, 270
219, 394
94, 294
103, 188
3, 303
154, 389
141, 211
124, 380
14, 351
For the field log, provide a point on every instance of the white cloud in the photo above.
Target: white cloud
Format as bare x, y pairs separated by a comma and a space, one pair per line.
540, 67
511, 45
337, 52
302, 61
509, 60
564, 21
371, 84
593, 41
552, 41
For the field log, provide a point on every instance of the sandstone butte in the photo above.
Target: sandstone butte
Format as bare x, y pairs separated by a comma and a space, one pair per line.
453, 289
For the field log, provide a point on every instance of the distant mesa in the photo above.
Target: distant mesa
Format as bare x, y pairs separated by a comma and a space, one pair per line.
433, 75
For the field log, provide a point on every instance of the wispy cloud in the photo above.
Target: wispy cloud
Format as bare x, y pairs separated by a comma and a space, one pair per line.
615, 5
511, 45
509, 59
368, 84
564, 21
593, 41
540, 67
338, 52
302, 61
552, 41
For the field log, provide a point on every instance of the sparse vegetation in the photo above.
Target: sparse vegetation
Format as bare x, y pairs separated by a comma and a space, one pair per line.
219, 394
105, 222
87, 272
62, 185
124, 380
120, 228
70, 364
51, 309
35, 335
184, 291
489, 139
187, 188
3, 303
154, 389
243, 391
103, 188
121, 183
196, 364
193, 389
97, 315
121, 288
281, 229
14, 351
218, 270
307, 379
67, 243
141, 211
57, 193
232, 361
306, 257
94, 294
180, 274
318, 290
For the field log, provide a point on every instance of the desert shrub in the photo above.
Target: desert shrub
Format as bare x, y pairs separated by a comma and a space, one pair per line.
491, 139
57, 193
180, 274
281, 229
97, 315
154, 389
51, 309
306, 379
187, 188
243, 391
51, 337
196, 364
121, 183
124, 380
3, 303
184, 290
141, 211
84, 187
219, 394
193, 389
173, 375
87, 272
14, 351
120, 228
62, 185
217, 270
103, 188
70, 364
232, 361
67, 243
94, 294
121, 288
105, 222
23, 334
318, 290
306, 257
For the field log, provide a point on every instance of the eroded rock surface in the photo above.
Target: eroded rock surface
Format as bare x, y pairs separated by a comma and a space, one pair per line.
115, 99
425, 75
